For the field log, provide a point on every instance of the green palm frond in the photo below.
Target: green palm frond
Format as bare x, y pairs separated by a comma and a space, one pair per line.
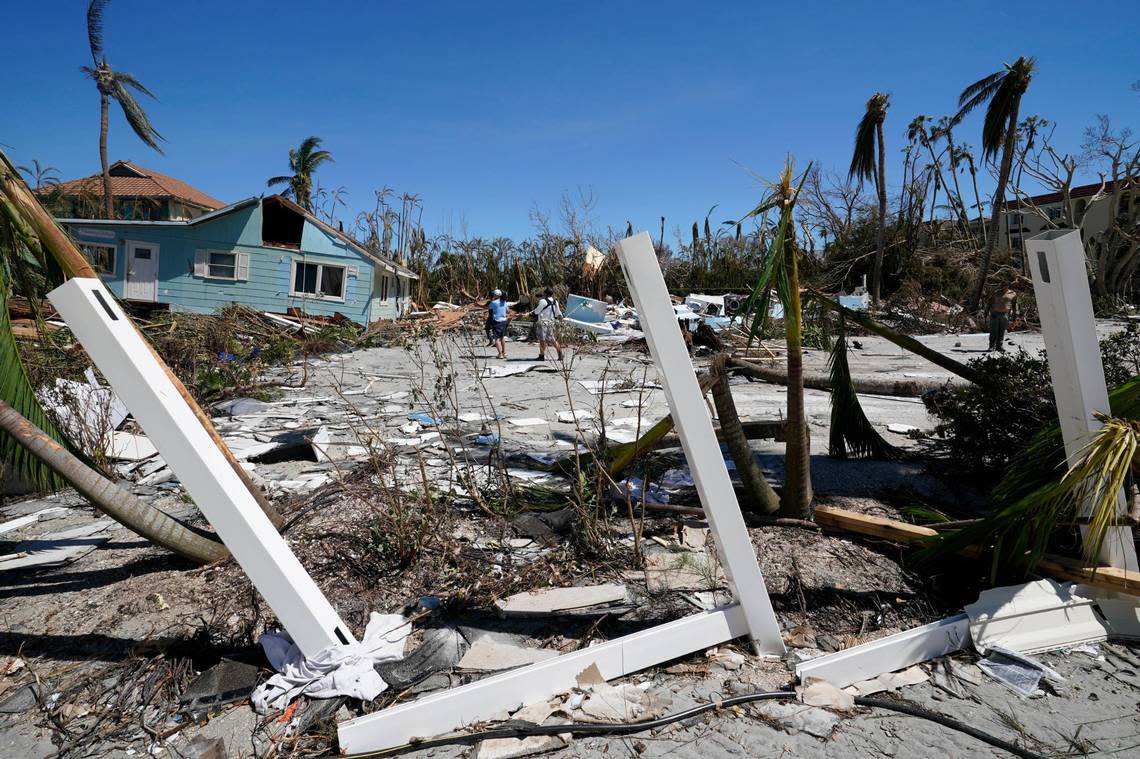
129, 80
15, 388
1035, 497
774, 276
852, 434
278, 180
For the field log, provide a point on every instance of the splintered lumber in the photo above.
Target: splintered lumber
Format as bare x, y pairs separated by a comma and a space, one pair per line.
908, 388
1105, 578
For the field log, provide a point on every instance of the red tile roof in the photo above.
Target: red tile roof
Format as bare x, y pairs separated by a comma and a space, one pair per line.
131, 180
1080, 191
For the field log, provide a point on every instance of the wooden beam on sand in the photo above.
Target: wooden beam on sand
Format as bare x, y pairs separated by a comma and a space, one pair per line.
1060, 567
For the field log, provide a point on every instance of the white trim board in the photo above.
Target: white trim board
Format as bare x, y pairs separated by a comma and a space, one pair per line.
117, 348
889, 654
468, 704
752, 615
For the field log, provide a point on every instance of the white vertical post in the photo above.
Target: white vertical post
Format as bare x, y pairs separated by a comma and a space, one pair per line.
702, 450
119, 351
1061, 286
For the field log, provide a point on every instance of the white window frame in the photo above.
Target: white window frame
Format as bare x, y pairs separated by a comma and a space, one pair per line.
210, 264
294, 293
106, 246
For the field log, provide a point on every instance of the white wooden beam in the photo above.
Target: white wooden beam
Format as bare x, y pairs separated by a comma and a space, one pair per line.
889, 654
1068, 326
117, 348
702, 450
468, 704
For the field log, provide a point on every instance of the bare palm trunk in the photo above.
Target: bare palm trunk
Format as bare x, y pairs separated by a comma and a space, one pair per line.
978, 200
123, 507
796, 498
761, 497
999, 201
108, 201
881, 232
960, 205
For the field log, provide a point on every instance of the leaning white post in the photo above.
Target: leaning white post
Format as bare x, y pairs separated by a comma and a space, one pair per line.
1061, 285
752, 615
702, 450
117, 348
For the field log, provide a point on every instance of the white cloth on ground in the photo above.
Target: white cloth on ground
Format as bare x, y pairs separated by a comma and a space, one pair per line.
336, 670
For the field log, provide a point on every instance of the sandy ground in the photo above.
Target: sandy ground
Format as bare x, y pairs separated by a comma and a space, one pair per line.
116, 601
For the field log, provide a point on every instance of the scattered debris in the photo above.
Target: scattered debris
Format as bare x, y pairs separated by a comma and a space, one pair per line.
1033, 617
552, 601
1021, 673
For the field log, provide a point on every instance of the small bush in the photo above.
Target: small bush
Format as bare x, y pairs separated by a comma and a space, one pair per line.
983, 426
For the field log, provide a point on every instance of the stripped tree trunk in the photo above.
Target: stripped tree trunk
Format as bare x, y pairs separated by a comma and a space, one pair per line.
123, 507
999, 201
761, 497
108, 201
796, 497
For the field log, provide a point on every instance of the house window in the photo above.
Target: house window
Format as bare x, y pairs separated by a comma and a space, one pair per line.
1054, 213
221, 265
1014, 219
102, 257
318, 280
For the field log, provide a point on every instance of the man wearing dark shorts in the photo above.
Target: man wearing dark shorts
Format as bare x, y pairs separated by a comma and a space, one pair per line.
999, 316
497, 315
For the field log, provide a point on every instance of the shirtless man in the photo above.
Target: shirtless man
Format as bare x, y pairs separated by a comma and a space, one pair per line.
999, 316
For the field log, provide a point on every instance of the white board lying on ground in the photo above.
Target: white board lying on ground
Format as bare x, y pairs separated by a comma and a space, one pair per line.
468, 704
119, 351
1068, 327
752, 614
889, 654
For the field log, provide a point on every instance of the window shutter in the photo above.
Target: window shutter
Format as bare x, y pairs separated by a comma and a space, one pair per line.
201, 259
242, 266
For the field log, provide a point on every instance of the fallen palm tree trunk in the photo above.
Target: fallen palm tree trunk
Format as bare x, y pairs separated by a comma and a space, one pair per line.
906, 342
760, 495
907, 388
123, 507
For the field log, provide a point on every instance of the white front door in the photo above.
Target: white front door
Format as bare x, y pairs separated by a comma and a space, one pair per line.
142, 271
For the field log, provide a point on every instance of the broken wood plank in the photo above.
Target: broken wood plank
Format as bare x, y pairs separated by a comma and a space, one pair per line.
876, 527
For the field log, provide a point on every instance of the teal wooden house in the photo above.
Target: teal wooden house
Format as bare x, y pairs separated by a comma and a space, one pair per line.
266, 253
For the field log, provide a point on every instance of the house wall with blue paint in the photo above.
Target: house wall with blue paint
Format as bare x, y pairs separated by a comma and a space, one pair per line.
222, 258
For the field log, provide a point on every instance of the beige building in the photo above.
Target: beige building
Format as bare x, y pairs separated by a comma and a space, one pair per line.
1090, 208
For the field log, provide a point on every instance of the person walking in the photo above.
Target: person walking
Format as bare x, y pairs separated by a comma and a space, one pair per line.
545, 314
497, 316
999, 316
489, 323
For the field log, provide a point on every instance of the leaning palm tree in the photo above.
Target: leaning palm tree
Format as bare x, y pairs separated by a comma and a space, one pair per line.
869, 146
115, 85
781, 273
303, 162
1003, 89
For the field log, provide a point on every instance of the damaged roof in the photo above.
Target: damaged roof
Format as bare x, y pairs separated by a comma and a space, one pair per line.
129, 180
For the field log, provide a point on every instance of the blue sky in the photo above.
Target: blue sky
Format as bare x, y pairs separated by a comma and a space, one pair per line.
490, 109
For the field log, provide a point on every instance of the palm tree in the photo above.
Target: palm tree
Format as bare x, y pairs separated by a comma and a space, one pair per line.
781, 272
303, 161
869, 146
1003, 89
117, 85
41, 176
